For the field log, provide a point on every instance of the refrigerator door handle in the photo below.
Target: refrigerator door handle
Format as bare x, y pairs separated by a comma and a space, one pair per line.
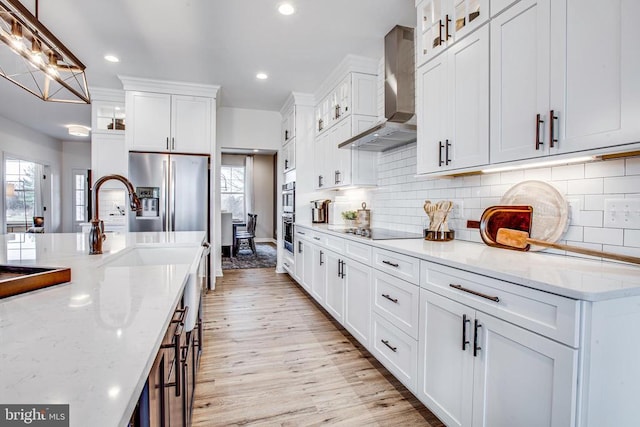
163, 192
172, 196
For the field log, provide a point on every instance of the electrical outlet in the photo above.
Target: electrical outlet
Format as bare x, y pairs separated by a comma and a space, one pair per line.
458, 209
622, 213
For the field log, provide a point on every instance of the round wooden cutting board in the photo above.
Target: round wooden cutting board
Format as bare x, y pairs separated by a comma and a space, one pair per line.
550, 209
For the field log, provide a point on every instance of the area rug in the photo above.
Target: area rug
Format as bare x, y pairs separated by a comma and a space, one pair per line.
265, 257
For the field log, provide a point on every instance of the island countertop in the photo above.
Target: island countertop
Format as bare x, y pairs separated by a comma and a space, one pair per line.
89, 343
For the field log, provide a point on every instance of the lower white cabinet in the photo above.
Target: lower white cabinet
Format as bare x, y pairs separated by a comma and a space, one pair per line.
318, 281
334, 302
477, 370
306, 250
397, 351
357, 285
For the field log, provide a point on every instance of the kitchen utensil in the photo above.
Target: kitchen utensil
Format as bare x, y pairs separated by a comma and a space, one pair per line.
516, 239
446, 207
430, 209
438, 228
497, 217
550, 209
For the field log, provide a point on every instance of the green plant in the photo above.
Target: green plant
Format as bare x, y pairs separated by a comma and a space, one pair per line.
349, 215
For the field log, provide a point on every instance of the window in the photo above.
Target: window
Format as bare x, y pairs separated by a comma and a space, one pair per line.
80, 194
232, 191
20, 194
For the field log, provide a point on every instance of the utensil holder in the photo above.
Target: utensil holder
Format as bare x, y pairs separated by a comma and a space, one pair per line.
439, 236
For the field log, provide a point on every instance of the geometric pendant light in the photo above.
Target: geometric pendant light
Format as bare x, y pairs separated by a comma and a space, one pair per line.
34, 59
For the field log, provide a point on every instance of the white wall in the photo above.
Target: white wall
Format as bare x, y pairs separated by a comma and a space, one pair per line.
263, 196
75, 155
17, 141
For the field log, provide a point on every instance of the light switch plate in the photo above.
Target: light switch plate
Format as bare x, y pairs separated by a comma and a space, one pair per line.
622, 213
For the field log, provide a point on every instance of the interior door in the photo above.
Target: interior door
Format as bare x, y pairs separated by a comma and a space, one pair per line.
188, 193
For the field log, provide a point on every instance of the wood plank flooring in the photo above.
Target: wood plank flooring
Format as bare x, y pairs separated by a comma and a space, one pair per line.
274, 357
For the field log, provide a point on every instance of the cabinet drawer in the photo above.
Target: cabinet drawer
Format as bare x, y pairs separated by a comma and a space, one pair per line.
358, 251
398, 265
396, 351
333, 243
547, 314
397, 301
305, 233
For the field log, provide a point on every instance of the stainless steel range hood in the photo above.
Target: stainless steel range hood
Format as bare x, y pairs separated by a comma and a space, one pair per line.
399, 96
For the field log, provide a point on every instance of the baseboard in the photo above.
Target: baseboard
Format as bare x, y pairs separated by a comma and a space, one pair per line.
266, 240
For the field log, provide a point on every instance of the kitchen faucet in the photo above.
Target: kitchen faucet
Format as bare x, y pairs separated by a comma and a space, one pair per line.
96, 234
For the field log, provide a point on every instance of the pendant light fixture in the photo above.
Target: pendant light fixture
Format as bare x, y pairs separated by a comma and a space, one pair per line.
34, 59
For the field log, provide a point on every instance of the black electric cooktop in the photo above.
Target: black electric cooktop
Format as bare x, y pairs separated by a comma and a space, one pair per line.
380, 233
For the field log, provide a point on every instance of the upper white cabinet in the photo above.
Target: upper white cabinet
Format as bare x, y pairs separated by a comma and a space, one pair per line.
108, 150
162, 122
453, 107
355, 94
557, 84
288, 125
595, 64
520, 81
442, 23
169, 116
289, 156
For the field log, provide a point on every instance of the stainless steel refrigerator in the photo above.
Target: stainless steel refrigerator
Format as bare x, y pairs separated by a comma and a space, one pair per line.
173, 189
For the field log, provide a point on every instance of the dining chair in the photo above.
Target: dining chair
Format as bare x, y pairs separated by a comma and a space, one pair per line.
248, 236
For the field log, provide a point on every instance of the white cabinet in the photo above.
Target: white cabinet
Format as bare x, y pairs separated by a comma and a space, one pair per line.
559, 85
298, 259
334, 302
453, 107
288, 154
289, 125
163, 122
477, 369
354, 94
357, 284
340, 167
441, 23
319, 282
594, 85
108, 156
520, 81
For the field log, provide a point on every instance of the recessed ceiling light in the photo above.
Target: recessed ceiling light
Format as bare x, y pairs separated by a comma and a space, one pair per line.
111, 58
286, 9
78, 130
261, 76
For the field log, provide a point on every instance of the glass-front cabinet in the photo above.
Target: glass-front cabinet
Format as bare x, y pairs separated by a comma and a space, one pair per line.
444, 22
110, 117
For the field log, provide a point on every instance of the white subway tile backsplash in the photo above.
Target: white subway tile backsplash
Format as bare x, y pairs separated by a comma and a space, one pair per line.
604, 169
626, 184
632, 238
559, 173
608, 236
585, 186
398, 200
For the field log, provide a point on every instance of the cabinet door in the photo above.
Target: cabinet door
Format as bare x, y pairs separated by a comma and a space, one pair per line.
321, 178
109, 156
149, 125
299, 260
357, 317
191, 124
521, 378
431, 120
307, 270
467, 140
520, 81
467, 15
343, 99
341, 157
595, 65
445, 370
334, 302
432, 15
288, 153
318, 284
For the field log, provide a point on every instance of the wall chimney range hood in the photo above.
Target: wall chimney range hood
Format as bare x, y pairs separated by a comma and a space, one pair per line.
399, 93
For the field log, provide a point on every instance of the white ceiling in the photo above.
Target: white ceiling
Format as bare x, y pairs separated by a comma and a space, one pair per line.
223, 42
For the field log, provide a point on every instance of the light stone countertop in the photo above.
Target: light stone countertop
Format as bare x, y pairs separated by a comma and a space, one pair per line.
572, 277
90, 342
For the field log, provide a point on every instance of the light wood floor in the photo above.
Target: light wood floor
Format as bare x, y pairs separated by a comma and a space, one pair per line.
274, 357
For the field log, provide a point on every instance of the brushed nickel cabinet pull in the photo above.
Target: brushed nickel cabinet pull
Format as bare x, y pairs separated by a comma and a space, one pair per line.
480, 294
173, 143
321, 260
394, 300
392, 264
552, 136
539, 121
167, 143
394, 349
316, 238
